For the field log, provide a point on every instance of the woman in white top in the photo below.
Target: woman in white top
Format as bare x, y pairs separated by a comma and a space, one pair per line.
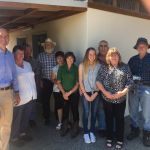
57, 95
27, 92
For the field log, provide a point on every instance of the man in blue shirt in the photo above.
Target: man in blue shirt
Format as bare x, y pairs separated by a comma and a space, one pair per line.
8, 81
140, 95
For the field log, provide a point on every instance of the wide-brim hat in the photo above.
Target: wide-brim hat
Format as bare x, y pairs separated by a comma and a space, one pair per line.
49, 40
141, 40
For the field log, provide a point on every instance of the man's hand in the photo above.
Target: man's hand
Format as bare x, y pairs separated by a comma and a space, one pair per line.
17, 99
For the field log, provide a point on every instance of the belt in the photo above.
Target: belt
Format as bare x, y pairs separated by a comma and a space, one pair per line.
6, 88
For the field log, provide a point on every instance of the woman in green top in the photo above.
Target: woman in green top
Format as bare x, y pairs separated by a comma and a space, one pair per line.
68, 85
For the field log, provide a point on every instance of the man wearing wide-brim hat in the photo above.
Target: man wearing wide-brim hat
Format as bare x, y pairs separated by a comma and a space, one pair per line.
47, 61
140, 95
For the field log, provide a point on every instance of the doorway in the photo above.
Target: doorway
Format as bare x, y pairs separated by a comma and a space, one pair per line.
36, 43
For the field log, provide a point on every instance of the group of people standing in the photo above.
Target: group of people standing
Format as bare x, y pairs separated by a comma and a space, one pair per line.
101, 82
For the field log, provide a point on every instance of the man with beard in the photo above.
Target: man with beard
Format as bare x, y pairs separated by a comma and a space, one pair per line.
47, 61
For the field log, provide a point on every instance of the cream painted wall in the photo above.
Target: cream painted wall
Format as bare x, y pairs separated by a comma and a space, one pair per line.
70, 34
120, 31
80, 31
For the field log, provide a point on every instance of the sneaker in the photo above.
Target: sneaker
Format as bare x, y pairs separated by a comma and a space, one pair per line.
58, 127
92, 137
87, 138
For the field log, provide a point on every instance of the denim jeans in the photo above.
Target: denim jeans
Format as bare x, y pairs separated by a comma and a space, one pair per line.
89, 107
140, 97
101, 114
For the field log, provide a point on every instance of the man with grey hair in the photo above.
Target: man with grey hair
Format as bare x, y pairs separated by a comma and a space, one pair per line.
8, 81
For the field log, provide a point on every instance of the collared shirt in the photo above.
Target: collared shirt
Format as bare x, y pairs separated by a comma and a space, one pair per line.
8, 75
140, 67
68, 78
114, 80
47, 62
26, 82
36, 67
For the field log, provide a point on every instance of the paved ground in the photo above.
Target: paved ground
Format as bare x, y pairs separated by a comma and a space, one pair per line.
47, 138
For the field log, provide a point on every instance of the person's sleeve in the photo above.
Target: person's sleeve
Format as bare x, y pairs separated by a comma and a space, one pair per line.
14, 75
77, 75
129, 80
59, 76
100, 74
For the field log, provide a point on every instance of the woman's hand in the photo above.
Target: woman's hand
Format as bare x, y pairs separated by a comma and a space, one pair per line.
93, 96
65, 96
109, 95
118, 94
88, 98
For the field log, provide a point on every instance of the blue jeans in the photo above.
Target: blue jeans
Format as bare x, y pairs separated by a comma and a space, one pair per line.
89, 107
101, 114
140, 97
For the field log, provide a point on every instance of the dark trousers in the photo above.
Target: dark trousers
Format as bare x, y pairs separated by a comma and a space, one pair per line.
21, 116
115, 113
72, 103
46, 94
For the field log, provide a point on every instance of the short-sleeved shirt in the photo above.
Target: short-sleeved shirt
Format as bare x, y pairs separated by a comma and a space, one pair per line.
55, 71
140, 67
68, 78
114, 80
47, 62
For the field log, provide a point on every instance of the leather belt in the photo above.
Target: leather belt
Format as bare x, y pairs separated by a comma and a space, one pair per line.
6, 88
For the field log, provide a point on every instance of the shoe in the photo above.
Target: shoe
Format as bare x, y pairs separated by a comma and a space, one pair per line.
59, 125
146, 138
135, 132
32, 123
25, 137
92, 137
17, 142
102, 133
75, 130
47, 122
65, 129
109, 143
87, 138
119, 145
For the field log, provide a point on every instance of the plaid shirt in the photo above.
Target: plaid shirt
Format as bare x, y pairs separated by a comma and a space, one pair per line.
47, 64
140, 67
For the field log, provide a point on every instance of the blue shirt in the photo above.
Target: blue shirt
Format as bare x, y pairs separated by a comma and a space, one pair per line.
8, 75
140, 67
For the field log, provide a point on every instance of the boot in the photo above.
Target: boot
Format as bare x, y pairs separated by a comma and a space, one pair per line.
135, 132
74, 130
64, 129
146, 138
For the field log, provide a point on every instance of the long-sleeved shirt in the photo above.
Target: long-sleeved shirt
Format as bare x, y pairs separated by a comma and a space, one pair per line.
140, 67
8, 75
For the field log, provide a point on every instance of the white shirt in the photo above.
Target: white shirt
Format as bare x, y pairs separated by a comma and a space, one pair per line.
26, 82
55, 71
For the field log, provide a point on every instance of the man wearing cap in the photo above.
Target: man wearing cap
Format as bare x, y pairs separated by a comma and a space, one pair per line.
47, 60
8, 81
140, 95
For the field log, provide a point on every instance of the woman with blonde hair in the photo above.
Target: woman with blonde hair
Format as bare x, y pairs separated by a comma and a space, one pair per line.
114, 80
89, 93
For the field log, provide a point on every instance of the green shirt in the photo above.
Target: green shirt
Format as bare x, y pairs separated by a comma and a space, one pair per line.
68, 78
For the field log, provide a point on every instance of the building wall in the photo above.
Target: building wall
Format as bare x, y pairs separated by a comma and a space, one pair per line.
80, 31
119, 30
